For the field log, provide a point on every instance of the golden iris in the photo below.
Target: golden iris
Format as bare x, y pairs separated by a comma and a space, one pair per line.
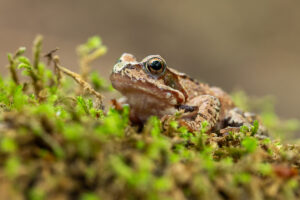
156, 65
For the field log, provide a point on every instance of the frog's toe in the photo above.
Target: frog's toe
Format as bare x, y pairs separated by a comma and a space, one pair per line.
237, 118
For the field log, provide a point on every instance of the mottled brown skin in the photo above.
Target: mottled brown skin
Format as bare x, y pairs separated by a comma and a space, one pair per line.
152, 88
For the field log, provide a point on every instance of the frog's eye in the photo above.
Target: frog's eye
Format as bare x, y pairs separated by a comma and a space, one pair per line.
156, 66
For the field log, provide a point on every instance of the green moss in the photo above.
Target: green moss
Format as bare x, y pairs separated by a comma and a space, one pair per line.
8, 145
58, 142
250, 144
89, 196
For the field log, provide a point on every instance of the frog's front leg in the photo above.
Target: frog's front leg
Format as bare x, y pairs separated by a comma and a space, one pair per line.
199, 109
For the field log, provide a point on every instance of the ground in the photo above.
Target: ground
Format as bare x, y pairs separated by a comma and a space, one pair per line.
57, 142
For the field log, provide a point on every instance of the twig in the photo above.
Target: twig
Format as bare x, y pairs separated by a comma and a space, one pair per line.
86, 86
49, 55
50, 58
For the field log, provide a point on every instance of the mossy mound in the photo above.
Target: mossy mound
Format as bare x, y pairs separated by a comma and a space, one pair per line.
56, 142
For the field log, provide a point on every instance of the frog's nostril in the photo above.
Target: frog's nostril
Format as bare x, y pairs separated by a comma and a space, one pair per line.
118, 67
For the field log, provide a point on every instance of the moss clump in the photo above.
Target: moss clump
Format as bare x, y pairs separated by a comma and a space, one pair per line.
56, 142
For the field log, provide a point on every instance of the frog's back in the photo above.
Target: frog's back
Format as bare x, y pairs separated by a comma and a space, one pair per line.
195, 88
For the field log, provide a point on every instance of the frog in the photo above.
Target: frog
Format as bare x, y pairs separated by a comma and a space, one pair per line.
152, 88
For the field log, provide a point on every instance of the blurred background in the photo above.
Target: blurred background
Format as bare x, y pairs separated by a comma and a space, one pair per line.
249, 45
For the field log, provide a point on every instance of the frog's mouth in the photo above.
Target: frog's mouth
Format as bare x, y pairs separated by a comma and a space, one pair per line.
134, 87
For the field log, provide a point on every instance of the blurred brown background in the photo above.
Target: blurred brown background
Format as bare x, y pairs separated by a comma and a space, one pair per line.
252, 45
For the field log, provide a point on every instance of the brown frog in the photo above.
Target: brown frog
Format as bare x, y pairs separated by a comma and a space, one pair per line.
153, 88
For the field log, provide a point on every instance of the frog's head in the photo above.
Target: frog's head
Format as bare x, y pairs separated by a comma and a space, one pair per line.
150, 78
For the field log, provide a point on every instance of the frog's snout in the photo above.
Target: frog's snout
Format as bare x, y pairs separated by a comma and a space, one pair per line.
124, 60
118, 67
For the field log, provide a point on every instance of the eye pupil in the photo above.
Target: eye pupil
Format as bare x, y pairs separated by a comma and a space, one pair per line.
156, 65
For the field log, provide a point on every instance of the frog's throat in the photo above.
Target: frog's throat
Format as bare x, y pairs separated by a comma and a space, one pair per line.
162, 93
